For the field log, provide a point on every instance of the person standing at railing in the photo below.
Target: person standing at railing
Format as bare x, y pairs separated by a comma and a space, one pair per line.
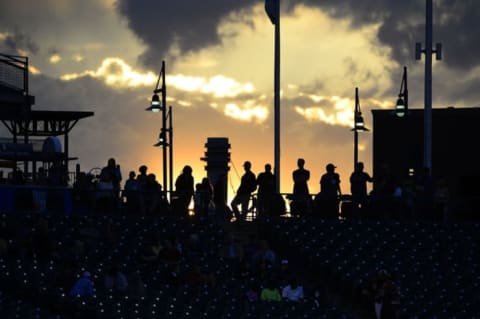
266, 190
358, 187
301, 194
184, 190
330, 192
248, 184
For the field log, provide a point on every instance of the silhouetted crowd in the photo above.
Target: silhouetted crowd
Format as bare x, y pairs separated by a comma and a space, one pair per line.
417, 197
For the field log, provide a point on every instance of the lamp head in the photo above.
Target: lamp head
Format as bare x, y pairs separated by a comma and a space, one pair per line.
155, 105
359, 123
162, 141
400, 108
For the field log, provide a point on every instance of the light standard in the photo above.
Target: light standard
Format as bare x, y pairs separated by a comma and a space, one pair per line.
427, 113
165, 138
401, 109
272, 7
358, 125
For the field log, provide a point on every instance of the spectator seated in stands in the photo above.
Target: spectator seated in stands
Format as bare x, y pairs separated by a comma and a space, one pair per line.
252, 293
170, 252
195, 277
270, 292
293, 291
115, 280
83, 286
151, 250
283, 273
232, 249
381, 297
265, 253
137, 288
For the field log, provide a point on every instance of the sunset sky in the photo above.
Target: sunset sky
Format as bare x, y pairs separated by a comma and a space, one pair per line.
104, 56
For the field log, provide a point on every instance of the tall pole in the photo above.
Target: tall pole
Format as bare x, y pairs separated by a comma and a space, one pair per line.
277, 99
427, 116
163, 132
170, 147
272, 7
405, 89
427, 113
355, 131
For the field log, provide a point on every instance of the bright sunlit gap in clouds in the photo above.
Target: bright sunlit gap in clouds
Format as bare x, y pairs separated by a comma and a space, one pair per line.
218, 86
251, 112
116, 73
55, 58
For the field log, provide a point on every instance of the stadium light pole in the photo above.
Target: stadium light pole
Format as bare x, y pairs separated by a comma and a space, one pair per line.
428, 51
272, 7
358, 125
165, 138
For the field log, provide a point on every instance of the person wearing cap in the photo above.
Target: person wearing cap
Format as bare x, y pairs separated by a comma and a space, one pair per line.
330, 192
83, 286
248, 184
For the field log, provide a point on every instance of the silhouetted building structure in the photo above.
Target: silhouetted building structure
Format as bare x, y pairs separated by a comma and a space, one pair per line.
217, 157
23, 123
398, 147
33, 151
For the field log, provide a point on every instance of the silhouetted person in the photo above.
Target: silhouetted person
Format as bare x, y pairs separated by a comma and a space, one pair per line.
131, 193
112, 173
83, 191
156, 201
266, 190
383, 190
142, 176
219, 198
358, 187
248, 185
184, 190
142, 182
202, 198
330, 192
301, 193
115, 280
108, 187
83, 287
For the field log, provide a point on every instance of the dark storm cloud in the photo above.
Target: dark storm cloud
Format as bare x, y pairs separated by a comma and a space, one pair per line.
188, 25
192, 25
19, 41
37, 26
403, 24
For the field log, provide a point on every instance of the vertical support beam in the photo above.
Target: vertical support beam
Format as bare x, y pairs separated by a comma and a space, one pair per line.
164, 125
355, 131
66, 152
170, 146
277, 98
427, 116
